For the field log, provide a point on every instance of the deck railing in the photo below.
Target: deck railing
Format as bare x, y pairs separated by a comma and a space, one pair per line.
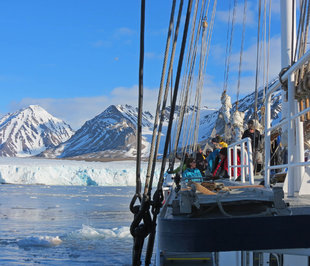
296, 163
243, 149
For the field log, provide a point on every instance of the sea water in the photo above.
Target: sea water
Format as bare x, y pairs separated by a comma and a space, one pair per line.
65, 225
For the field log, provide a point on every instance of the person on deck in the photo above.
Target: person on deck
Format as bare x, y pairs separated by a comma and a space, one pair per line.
256, 138
213, 158
184, 164
222, 143
192, 171
221, 169
200, 160
253, 134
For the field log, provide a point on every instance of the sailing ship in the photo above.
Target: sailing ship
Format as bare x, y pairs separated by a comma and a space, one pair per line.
247, 218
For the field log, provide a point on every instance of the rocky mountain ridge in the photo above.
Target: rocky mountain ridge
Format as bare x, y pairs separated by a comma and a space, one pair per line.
109, 135
30, 131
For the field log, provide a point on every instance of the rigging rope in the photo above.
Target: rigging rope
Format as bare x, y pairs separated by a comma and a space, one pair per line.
302, 36
307, 30
203, 53
142, 213
227, 37
264, 41
256, 79
196, 112
140, 103
139, 232
257, 61
241, 52
195, 118
268, 55
163, 109
191, 59
152, 158
227, 64
147, 188
158, 195
175, 92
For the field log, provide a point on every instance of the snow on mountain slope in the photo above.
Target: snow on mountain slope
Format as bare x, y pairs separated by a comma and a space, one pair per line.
246, 105
110, 134
31, 130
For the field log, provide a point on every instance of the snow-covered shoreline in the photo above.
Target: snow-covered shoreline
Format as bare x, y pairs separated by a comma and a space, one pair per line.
69, 172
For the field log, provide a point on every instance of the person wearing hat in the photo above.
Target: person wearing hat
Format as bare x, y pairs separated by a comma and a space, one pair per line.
212, 159
256, 138
218, 142
253, 134
183, 165
192, 171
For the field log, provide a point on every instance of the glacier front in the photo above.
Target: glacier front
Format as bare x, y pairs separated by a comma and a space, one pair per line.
69, 172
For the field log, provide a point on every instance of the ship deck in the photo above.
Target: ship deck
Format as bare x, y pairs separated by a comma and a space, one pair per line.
241, 219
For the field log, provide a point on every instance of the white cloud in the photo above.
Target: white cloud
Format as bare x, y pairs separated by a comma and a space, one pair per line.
76, 111
117, 35
101, 43
214, 87
124, 95
275, 6
249, 58
250, 15
211, 93
152, 55
120, 32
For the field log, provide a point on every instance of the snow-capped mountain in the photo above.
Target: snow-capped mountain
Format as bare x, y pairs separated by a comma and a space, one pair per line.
30, 131
209, 121
108, 135
111, 134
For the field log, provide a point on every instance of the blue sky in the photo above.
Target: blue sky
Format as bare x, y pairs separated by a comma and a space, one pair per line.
76, 57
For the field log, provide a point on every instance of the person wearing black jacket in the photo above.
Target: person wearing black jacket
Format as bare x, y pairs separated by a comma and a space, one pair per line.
201, 160
253, 134
256, 138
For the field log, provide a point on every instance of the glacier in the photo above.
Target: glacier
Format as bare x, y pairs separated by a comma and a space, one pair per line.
54, 172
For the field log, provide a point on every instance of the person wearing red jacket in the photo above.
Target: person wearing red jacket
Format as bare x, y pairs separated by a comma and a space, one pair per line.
221, 169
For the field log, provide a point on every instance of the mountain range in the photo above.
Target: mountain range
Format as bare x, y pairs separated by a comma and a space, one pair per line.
32, 131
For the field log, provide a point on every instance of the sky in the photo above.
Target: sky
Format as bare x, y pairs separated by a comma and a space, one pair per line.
76, 57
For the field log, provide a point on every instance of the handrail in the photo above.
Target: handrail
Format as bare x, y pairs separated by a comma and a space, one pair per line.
290, 71
293, 115
246, 160
284, 121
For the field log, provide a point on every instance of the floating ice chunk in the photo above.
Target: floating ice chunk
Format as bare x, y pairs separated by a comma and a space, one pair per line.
40, 241
122, 232
88, 232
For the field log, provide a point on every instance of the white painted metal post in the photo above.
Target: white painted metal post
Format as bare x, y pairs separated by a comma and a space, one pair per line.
298, 130
235, 162
251, 169
229, 163
286, 50
242, 162
299, 150
267, 140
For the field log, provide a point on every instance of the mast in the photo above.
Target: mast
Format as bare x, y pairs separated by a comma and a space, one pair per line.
290, 107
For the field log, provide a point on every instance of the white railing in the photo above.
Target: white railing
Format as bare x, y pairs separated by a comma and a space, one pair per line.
246, 160
296, 163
